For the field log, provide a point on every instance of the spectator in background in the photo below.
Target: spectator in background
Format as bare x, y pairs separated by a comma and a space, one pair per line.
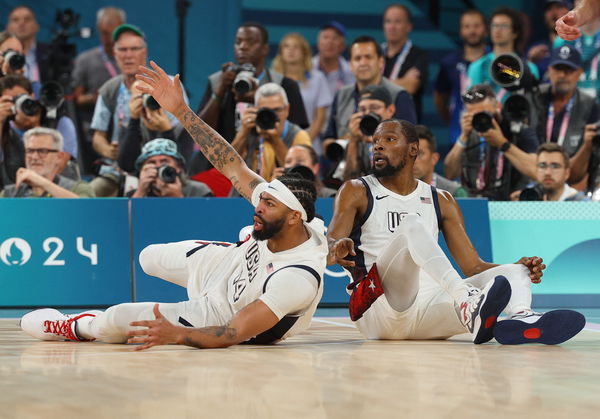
366, 62
222, 108
293, 60
39, 178
96, 66
452, 79
539, 53
406, 64
8, 41
490, 159
162, 175
22, 23
424, 167
331, 43
262, 147
304, 160
15, 121
506, 31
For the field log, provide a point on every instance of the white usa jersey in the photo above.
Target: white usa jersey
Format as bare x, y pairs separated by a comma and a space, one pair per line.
385, 211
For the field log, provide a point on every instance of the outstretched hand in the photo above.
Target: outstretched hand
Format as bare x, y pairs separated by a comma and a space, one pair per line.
168, 93
536, 267
340, 249
158, 332
567, 26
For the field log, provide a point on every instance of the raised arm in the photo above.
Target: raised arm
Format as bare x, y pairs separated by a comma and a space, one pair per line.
169, 94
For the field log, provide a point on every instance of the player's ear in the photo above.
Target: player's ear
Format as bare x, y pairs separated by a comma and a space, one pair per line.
294, 218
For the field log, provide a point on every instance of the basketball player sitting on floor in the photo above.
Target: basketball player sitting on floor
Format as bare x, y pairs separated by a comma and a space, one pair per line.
385, 228
261, 290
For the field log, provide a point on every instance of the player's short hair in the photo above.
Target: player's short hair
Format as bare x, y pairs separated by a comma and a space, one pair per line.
407, 129
304, 190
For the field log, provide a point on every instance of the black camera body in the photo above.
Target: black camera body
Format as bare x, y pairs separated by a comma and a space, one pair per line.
533, 193
368, 123
482, 121
266, 118
149, 102
26, 104
167, 174
16, 60
245, 79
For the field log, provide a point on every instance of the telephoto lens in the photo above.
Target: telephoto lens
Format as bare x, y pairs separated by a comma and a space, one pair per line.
51, 94
482, 121
266, 118
149, 102
368, 123
167, 173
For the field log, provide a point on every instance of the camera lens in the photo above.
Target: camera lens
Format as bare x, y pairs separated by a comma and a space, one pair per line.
368, 123
27, 105
516, 108
15, 60
266, 118
336, 150
167, 174
51, 94
149, 102
534, 193
482, 121
507, 70
243, 82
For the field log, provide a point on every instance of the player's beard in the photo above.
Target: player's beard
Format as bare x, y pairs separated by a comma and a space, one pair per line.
388, 169
269, 228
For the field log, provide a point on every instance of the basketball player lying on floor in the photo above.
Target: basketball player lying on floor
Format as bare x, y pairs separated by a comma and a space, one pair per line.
261, 290
384, 230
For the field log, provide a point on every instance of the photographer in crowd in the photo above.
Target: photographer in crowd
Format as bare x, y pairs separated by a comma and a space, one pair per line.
39, 177
12, 60
230, 91
162, 175
490, 159
267, 133
19, 112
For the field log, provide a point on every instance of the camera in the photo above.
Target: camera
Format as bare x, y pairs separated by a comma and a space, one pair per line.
245, 80
167, 173
266, 118
149, 102
336, 150
368, 123
516, 108
532, 193
482, 121
52, 95
15, 60
509, 71
26, 104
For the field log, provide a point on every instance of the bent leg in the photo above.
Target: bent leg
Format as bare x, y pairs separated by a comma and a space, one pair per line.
168, 261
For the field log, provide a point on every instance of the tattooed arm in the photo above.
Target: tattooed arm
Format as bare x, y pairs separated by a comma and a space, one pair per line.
169, 94
252, 320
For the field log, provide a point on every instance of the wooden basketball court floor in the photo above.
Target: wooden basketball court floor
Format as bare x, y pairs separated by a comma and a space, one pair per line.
328, 372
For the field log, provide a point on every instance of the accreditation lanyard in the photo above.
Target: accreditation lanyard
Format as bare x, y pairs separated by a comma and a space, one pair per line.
563, 126
107, 63
484, 167
400, 60
261, 147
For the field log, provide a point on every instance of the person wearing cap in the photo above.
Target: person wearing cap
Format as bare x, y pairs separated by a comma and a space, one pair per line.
40, 177
95, 66
506, 32
222, 108
406, 64
491, 160
539, 52
366, 62
261, 289
373, 100
156, 155
331, 44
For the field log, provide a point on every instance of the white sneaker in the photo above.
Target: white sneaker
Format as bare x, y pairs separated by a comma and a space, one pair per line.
51, 324
480, 309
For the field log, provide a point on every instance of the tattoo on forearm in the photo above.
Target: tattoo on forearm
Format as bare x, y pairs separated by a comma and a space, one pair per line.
216, 149
227, 332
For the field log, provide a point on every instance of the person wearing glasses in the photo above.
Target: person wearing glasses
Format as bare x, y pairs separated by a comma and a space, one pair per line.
261, 145
491, 161
506, 32
39, 178
553, 172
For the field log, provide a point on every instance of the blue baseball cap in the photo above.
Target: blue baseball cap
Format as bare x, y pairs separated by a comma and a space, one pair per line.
566, 55
159, 147
336, 26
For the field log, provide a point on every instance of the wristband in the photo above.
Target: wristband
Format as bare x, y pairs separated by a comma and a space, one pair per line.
504, 147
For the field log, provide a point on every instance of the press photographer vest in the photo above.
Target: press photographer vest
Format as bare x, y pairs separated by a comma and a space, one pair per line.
347, 103
582, 107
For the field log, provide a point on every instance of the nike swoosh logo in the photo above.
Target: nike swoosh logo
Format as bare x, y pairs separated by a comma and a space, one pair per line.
381, 197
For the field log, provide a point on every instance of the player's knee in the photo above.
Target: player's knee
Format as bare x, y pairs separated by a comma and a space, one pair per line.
411, 224
148, 257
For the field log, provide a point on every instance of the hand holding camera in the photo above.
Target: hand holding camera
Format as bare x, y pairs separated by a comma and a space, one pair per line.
6, 108
156, 120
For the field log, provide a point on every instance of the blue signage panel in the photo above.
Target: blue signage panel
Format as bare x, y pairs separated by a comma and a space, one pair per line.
64, 252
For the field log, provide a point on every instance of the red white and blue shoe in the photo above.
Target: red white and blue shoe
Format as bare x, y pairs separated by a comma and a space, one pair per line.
551, 328
479, 311
51, 324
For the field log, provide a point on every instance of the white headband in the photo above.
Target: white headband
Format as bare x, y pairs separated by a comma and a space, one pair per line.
281, 193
